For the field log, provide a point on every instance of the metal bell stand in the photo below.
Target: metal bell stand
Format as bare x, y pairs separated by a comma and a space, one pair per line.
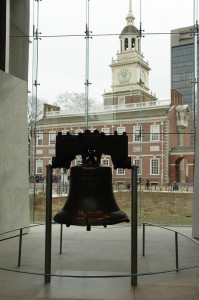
48, 228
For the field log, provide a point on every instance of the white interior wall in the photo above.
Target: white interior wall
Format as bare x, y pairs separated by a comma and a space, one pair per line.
14, 197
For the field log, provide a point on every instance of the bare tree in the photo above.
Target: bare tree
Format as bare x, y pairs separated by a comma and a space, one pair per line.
73, 100
34, 112
35, 109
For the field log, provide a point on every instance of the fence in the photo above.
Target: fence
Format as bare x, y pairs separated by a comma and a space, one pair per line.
60, 189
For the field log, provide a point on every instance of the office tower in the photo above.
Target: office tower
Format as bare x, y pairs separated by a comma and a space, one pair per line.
182, 64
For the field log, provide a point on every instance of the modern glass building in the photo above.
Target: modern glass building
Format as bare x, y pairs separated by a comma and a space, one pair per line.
182, 64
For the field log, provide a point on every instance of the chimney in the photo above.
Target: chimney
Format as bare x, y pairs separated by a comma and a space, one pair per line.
176, 98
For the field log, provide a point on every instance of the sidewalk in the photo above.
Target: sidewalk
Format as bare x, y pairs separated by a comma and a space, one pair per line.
100, 252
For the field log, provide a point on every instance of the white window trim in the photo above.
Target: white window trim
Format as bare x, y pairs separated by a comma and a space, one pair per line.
105, 159
51, 133
121, 129
136, 132
151, 159
152, 131
106, 130
121, 174
40, 134
78, 130
140, 165
39, 164
64, 132
50, 163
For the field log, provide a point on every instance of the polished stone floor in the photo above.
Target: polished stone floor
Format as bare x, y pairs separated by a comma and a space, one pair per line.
101, 252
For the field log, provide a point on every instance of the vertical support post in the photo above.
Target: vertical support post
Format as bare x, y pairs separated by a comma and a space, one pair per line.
48, 232
61, 234
143, 240
176, 249
20, 245
134, 226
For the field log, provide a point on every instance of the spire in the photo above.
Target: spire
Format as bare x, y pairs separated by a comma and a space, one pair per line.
130, 18
130, 5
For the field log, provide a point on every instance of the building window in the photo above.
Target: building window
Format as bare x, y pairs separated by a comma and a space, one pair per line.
154, 166
92, 129
40, 139
77, 131
121, 101
155, 132
39, 166
52, 137
132, 43
50, 163
126, 44
137, 133
120, 130
106, 130
120, 171
137, 162
105, 162
64, 132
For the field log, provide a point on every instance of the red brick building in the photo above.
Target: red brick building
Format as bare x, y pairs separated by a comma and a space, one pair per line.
159, 140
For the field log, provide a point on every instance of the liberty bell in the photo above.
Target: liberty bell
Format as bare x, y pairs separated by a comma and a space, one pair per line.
91, 200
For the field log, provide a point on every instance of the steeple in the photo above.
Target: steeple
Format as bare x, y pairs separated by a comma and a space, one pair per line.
129, 39
130, 18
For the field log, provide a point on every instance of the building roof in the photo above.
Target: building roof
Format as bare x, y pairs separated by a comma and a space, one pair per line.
126, 115
129, 29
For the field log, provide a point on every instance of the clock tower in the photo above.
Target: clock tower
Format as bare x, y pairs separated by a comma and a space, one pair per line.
130, 71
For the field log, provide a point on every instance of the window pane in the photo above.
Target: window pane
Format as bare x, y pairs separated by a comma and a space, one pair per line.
137, 162
155, 166
105, 162
120, 130
137, 133
120, 171
77, 131
155, 132
52, 137
39, 166
40, 139
106, 130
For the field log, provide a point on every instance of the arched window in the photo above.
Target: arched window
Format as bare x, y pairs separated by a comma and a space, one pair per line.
126, 43
132, 43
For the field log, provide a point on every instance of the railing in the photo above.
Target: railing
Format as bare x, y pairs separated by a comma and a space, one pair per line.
107, 108
60, 189
176, 240
177, 269
20, 238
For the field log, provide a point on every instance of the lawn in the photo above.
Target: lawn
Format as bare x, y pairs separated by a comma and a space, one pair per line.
164, 208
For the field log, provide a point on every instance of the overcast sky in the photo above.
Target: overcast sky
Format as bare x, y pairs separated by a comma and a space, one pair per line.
62, 59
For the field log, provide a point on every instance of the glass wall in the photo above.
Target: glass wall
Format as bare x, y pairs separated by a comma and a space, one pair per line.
110, 66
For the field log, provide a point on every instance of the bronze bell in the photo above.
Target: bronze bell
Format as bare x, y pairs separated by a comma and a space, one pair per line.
90, 200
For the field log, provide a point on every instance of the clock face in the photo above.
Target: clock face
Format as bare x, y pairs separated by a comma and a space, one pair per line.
124, 75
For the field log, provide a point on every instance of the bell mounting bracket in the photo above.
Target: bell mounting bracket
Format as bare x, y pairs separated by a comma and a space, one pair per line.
91, 146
